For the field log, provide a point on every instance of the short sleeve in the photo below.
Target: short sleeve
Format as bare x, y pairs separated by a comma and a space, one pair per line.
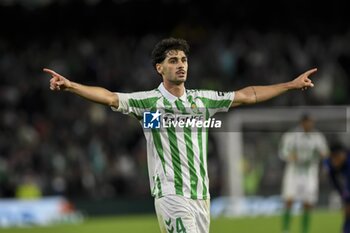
136, 103
322, 145
123, 103
216, 101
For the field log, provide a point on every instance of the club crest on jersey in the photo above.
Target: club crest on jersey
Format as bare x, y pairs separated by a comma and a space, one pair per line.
194, 108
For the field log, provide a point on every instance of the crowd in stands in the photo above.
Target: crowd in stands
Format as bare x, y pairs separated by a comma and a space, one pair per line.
68, 146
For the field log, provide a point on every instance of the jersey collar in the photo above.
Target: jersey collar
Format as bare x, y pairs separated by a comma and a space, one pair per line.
170, 96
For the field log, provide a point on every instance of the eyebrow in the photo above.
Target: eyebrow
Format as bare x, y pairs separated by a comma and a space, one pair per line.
174, 57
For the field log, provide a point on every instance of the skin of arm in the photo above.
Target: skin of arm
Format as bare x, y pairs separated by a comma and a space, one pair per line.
256, 94
248, 95
96, 94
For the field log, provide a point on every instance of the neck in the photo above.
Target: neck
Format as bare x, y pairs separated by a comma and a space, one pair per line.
175, 89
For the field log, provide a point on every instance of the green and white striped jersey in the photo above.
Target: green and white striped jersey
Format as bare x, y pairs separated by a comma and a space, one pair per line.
308, 147
177, 159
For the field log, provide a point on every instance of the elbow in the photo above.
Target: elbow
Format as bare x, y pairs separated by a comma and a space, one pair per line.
252, 100
113, 100
246, 96
249, 100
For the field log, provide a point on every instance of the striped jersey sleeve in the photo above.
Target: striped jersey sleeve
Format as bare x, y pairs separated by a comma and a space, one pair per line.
136, 103
321, 144
216, 101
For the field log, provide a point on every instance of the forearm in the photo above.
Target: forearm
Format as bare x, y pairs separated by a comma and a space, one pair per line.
95, 94
257, 94
264, 93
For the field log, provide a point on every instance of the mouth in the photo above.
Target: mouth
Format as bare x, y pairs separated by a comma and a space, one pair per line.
181, 73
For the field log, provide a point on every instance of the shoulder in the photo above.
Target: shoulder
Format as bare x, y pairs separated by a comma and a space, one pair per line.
207, 93
197, 91
287, 136
142, 99
144, 94
292, 132
317, 134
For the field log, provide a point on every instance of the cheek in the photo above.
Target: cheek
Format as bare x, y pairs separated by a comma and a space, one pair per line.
170, 70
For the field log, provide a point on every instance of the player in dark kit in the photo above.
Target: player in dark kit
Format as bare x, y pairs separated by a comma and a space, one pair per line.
338, 166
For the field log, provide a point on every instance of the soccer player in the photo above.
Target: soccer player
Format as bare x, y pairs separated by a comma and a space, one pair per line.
177, 159
301, 148
338, 167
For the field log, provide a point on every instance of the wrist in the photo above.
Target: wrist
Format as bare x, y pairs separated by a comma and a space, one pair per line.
289, 85
70, 86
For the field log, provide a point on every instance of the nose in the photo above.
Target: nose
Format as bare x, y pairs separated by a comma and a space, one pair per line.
181, 64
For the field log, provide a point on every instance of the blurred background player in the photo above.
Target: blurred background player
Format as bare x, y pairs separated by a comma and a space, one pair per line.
338, 167
301, 148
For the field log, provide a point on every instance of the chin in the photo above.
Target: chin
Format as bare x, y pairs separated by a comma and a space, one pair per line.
178, 82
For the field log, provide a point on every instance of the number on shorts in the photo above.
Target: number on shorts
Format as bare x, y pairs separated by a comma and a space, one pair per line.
180, 226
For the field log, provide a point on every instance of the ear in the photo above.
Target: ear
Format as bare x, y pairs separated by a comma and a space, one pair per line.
159, 68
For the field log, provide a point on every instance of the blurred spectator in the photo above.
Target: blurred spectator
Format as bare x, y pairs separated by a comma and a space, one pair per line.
28, 187
56, 145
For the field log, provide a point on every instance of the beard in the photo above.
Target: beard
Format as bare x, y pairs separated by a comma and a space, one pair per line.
178, 80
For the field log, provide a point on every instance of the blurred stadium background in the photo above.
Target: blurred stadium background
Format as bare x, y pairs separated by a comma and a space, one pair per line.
60, 145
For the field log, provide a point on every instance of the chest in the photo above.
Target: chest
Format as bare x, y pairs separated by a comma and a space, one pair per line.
305, 142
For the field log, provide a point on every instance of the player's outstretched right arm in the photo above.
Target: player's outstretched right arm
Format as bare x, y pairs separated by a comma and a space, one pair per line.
95, 94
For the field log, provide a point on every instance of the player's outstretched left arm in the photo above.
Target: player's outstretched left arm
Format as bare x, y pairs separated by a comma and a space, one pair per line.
256, 94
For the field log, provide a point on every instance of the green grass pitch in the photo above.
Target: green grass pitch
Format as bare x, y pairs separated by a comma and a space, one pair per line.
322, 222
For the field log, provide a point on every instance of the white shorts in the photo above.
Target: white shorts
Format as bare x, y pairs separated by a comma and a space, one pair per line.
300, 187
177, 214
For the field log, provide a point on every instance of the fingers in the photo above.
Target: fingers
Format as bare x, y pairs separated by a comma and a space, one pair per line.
310, 72
306, 86
53, 73
308, 82
53, 84
57, 82
54, 87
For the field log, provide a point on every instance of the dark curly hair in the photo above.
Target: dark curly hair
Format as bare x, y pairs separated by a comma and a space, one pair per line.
161, 48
